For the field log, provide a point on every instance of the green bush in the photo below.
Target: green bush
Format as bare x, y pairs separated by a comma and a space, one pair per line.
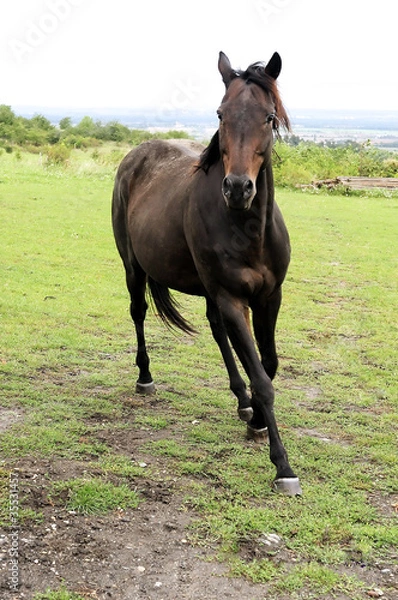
391, 167
58, 154
36, 131
176, 134
306, 162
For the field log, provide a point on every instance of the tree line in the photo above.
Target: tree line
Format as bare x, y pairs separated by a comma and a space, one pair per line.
295, 161
39, 131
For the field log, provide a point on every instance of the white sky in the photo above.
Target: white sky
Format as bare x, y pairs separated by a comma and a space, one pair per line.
163, 53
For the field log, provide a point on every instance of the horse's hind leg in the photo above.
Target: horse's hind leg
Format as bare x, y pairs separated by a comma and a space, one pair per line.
136, 284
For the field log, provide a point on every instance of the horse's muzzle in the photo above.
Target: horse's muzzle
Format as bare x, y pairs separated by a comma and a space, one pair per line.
238, 191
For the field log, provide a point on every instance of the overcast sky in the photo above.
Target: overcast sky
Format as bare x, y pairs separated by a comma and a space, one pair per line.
163, 53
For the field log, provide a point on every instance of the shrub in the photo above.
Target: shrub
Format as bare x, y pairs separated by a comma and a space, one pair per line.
307, 162
391, 167
177, 134
58, 154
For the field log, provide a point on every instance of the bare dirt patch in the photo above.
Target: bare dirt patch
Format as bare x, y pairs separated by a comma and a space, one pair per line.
126, 555
9, 416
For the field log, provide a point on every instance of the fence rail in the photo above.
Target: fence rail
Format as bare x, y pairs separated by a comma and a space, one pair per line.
356, 183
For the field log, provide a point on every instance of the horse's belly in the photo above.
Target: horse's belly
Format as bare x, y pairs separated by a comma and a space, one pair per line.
161, 250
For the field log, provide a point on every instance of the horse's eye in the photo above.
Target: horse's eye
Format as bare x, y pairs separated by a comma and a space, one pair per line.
270, 118
219, 115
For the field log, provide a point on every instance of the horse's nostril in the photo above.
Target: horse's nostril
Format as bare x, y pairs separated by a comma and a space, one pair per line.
248, 187
227, 187
238, 190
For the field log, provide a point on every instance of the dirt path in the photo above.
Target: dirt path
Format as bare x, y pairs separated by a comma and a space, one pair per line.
128, 555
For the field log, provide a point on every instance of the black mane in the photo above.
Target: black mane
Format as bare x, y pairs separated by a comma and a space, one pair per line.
210, 155
255, 73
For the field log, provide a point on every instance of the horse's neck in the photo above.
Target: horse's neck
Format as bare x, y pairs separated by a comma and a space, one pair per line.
263, 204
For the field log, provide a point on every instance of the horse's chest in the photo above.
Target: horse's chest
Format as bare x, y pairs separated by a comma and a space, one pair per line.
248, 281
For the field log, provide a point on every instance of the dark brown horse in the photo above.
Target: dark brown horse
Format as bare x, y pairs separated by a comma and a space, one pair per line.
208, 225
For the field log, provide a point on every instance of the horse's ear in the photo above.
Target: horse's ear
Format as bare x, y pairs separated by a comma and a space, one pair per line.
274, 66
224, 66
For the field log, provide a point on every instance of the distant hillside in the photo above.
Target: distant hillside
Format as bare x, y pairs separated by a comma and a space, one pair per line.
381, 127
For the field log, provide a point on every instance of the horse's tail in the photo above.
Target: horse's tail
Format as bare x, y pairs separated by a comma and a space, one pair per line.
167, 307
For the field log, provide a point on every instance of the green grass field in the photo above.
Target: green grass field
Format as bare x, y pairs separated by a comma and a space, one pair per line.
67, 366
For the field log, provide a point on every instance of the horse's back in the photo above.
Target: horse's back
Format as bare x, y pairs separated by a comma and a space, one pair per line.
149, 158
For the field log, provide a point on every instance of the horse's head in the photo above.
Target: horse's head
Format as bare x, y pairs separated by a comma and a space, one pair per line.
249, 113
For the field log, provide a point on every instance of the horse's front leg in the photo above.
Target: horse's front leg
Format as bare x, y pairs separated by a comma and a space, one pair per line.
265, 314
233, 313
237, 385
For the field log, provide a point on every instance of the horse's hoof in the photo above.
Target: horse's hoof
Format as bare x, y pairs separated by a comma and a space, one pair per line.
290, 486
145, 389
245, 414
260, 436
